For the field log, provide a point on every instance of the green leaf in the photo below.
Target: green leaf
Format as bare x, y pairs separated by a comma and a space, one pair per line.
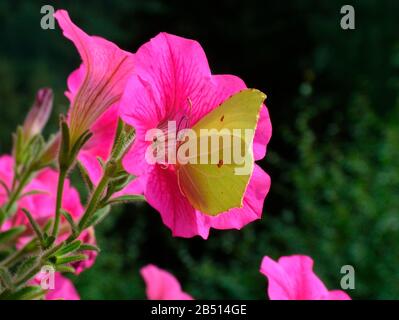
85, 177
89, 247
125, 199
12, 210
26, 265
18, 145
63, 157
27, 293
34, 148
120, 181
70, 259
49, 240
79, 144
69, 219
68, 248
98, 216
11, 234
6, 278
65, 269
35, 227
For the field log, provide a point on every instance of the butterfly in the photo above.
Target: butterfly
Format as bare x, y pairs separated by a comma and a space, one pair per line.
214, 176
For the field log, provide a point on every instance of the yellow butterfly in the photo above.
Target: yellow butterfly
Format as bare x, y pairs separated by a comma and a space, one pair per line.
216, 175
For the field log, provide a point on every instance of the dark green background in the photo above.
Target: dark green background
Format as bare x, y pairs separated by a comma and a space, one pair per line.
334, 156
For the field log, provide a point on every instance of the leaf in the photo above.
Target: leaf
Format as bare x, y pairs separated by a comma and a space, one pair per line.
35, 147
63, 156
79, 144
65, 269
25, 266
6, 278
89, 247
85, 177
11, 234
98, 216
125, 199
121, 180
18, 145
69, 219
68, 248
27, 293
49, 240
70, 259
35, 227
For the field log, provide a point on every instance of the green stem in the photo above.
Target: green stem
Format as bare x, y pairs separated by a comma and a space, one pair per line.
94, 201
15, 195
60, 191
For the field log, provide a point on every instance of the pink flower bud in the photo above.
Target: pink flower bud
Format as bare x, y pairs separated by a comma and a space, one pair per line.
39, 113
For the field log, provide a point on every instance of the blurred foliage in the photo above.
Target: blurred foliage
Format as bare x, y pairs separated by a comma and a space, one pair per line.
334, 157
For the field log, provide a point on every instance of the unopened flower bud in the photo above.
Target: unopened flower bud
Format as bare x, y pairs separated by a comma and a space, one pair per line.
38, 114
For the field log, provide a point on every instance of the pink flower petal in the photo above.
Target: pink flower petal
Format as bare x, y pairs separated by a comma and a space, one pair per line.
63, 290
161, 285
338, 295
255, 194
292, 278
163, 193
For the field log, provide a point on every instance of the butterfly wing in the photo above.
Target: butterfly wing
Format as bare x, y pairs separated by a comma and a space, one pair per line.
219, 184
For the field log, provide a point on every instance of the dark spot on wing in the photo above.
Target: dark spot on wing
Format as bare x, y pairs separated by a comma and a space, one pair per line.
222, 118
220, 163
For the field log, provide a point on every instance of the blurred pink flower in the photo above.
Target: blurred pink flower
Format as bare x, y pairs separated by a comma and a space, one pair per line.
161, 285
87, 237
6, 176
41, 205
103, 73
63, 288
292, 278
168, 71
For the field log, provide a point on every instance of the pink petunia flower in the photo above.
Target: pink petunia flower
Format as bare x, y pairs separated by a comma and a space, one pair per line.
169, 71
292, 278
101, 77
161, 285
